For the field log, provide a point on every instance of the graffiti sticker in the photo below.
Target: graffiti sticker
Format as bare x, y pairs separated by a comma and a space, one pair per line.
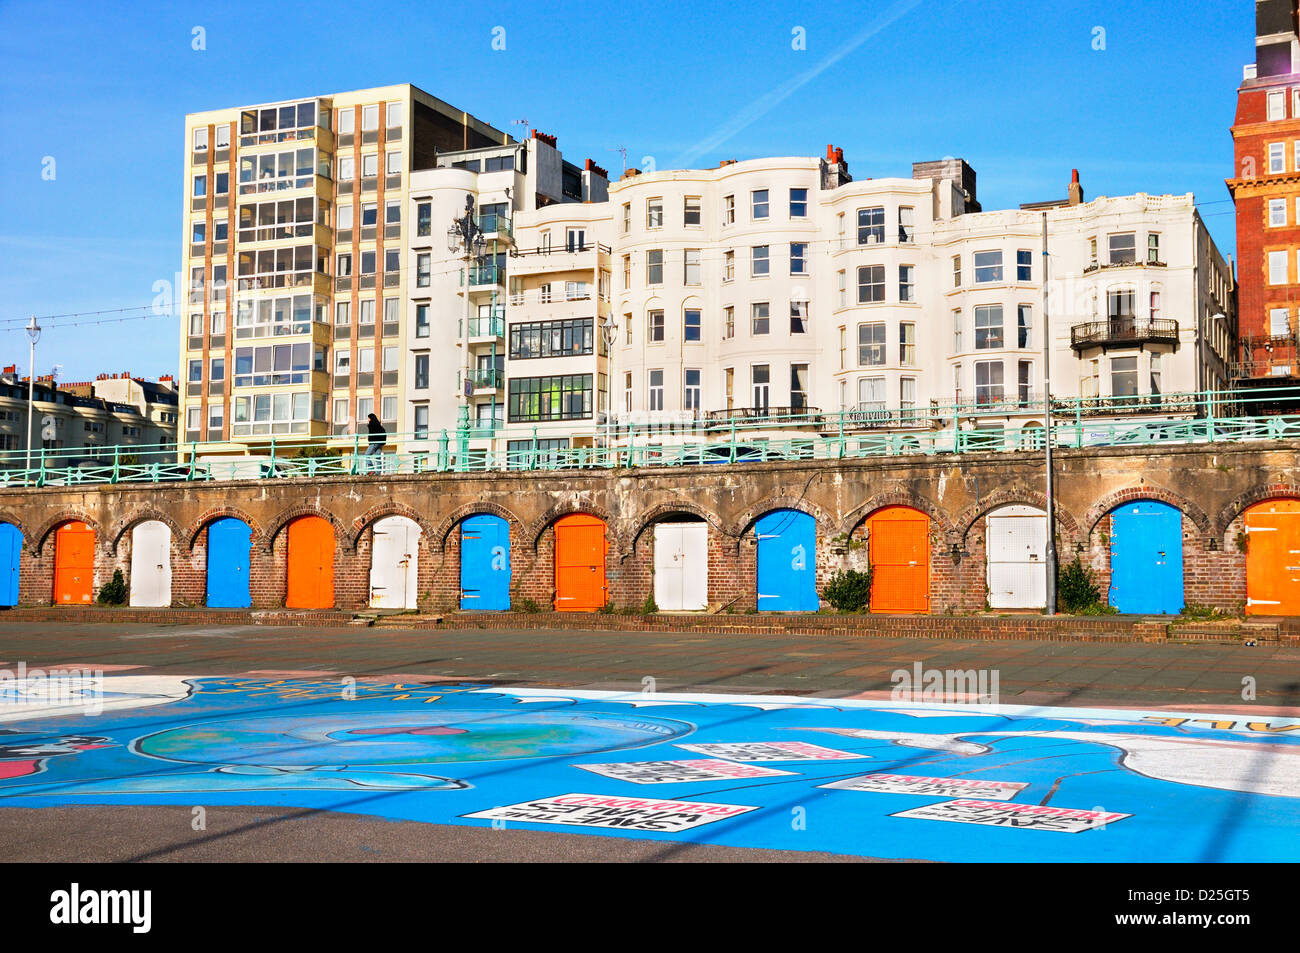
930, 787
1030, 816
627, 813
667, 772
773, 751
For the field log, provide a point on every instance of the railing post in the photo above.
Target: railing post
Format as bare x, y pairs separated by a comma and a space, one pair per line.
271, 469
1209, 415
841, 416
40, 480
116, 463
731, 452
442, 451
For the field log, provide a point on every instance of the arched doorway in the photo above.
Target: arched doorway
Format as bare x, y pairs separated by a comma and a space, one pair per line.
898, 541
681, 564
74, 564
1273, 558
484, 563
11, 548
228, 560
151, 564
580, 548
787, 566
394, 558
1016, 548
1146, 558
310, 547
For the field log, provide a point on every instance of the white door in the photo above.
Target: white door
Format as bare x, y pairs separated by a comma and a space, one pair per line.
682, 565
151, 564
393, 563
1016, 544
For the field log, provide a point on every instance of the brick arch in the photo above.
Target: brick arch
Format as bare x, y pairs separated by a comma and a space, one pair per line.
7, 517
307, 509
1243, 502
1145, 491
113, 538
802, 504
221, 512
856, 516
376, 513
638, 524
1012, 497
443, 529
533, 534
37, 542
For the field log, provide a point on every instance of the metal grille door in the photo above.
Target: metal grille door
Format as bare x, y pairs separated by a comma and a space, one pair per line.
1016, 545
899, 544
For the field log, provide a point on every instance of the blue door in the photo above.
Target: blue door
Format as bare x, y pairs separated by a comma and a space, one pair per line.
787, 576
484, 564
11, 547
1146, 558
228, 553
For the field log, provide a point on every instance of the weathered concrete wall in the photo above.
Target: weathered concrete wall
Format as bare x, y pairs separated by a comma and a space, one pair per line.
1210, 485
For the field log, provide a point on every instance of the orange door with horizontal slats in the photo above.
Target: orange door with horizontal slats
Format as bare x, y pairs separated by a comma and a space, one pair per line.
1273, 558
74, 564
311, 564
900, 560
579, 563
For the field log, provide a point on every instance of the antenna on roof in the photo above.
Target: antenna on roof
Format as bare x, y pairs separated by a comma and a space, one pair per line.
521, 122
622, 150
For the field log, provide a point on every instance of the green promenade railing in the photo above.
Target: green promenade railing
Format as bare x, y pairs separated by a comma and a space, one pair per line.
744, 436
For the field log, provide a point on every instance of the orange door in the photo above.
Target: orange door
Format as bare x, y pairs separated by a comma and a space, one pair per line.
1273, 558
579, 563
311, 564
900, 560
74, 564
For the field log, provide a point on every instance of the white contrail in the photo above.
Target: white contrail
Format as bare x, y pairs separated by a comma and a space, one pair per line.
770, 100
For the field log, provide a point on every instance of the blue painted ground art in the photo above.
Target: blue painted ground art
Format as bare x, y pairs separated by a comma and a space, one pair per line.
883, 779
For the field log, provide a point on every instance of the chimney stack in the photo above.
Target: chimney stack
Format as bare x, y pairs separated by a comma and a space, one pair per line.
1076, 190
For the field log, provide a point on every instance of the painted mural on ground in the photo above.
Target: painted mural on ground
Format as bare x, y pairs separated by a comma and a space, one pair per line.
930, 781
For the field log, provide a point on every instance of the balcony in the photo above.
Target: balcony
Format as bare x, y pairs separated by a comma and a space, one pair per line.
496, 226
483, 276
487, 379
787, 416
487, 328
1124, 332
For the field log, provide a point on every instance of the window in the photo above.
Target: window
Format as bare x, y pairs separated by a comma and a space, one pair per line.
369, 214
906, 282
655, 327
988, 382
1153, 245
274, 364
366, 316
575, 239
759, 264
220, 229
393, 163
691, 267
1122, 248
193, 417
424, 220
1121, 304
871, 344
422, 372
1277, 261
366, 360
844, 347
627, 217
798, 317
842, 280
342, 313
390, 358
347, 168
759, 204
907, 397
370, 165
798, 258
691, 395
907, 344
200, 186
201, 139
1024, 265
421, 320
341, 411
798, 388
956, 271
760, 376
871, 395
199, 231
223, 136
871, 284
421, 421
196, 371
564, 338
393, 115
654, 266
798, 203
370, 117
196, 325
392, 262
1276, 105
654, 213
988, 266
347, 120
1155, 373
871, 226
550, 398
1123, 376
759, 319
728, 322
365, 407
1024, 326
218, 322
1154, 304
392, 213
217, 371
906, 230
1278, 322
1025, 382
1276, 157
728, 265
988, 326
216, 417
1092, 251
729, 387
691, 324
627, 391
368, 262
729, 210
655, 390
691, 210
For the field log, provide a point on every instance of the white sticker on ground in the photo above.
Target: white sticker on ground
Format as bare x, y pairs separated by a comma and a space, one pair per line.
1027, 816
772, 751
931, 787
626, 813
667, 772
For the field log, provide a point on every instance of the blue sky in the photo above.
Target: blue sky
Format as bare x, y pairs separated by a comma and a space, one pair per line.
1014, 87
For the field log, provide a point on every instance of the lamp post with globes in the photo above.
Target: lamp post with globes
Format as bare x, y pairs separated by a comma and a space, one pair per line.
466, 237
609, 331
34, 335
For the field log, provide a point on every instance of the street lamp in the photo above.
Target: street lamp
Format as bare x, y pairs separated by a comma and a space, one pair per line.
609, 331
465, 237
1050, 606
34, 334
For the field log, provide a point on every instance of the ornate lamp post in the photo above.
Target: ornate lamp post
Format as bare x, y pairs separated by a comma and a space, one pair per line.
609, 331
34, 334
466, 238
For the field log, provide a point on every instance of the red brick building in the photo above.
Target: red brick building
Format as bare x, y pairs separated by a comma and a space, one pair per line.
1265, 188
